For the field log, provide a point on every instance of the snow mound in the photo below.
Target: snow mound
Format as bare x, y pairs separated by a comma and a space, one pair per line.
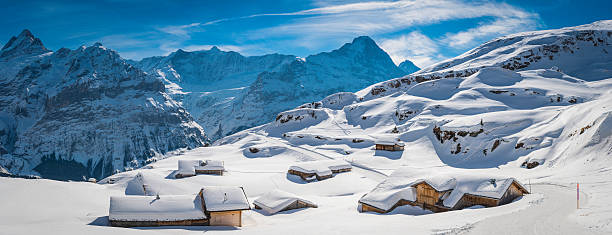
493, 76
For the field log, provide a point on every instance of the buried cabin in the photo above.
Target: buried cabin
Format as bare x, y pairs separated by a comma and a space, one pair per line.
214, 206
223, 205
276, 201
148, 211
442, 193
187, 168
389, 146
319, 170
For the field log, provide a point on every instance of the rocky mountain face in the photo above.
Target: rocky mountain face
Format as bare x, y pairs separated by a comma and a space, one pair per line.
86, 112
227, 92
545, 49
408, 67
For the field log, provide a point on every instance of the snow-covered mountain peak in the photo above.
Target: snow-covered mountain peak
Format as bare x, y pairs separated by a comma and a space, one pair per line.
23, 44
362, 47
362, 53
214, 49
408, 67
86, 110
361, 42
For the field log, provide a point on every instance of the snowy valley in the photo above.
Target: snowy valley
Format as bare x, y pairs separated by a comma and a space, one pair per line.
533, 106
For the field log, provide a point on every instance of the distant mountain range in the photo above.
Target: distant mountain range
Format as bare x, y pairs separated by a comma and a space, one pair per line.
88, 112
84, 113
227, 92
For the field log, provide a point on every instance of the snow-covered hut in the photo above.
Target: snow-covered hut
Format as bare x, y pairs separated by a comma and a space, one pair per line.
320, 170
389, 145
487, 192
441, 192
277, 200
430, 191
187, 168
211, 167
147, 211
224, 204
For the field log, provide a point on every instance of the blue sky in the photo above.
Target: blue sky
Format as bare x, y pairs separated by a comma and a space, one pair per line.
422, 31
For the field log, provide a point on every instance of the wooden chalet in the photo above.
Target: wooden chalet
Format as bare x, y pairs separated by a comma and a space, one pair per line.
319, 170
276, 201
210, 167
440, 194
187, 168
223, 205
489, 193
389, 146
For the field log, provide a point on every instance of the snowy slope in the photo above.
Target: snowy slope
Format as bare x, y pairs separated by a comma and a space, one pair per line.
227, 92
83, 112
592, 43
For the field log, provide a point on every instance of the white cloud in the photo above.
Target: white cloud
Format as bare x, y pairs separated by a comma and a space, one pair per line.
385, 17
497, 28
340, 20
180, 30
415, 46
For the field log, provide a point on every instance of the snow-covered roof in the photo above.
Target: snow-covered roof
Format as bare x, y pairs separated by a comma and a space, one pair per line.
384, 197
389, 142
210, 165
479, 186
149, 208
440, 182
322, 167
225, 198
400, 185
277, 200
187, 167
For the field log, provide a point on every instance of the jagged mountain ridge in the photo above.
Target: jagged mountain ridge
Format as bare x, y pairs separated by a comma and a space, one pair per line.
241, 92
84, 113
523, 51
